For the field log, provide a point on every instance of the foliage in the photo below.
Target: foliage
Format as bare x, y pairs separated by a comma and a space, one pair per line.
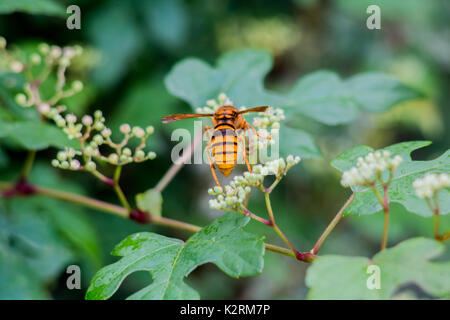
47, 7
331, 83
401, 190
223, 242
342, 277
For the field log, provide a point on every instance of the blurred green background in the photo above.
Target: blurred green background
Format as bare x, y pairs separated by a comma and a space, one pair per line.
129, 48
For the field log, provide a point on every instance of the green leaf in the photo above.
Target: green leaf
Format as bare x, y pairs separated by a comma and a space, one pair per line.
223, 242
167, 23
401, 190
377, 92
297, 142
239, 74
10, 84
34, 135
17, 280
341, 277
29, 233
46, 7
135, 104
150, 201
119, 41
322, 95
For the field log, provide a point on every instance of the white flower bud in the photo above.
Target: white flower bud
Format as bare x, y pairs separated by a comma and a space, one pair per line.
35, 59
140, 155
65, 165
91, 166
99, 126
98, 114
430, 184
71, 118
151, 155
21, 99
55, 52
138, 132
89, 151
16, 66
150, 130
125, 128
44, 108
68, 52
61, 155
44, 48
77, 86
87, 120
113, 158
55, 163
74, 164
106, 132
126, 152
70, 152
98, 139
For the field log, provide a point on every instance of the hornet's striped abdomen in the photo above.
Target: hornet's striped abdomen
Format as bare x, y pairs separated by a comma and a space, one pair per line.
224, 147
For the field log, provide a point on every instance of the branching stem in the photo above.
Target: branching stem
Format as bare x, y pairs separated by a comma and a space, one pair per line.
170, 174
28, 164
331, 226
118, 190
124, 213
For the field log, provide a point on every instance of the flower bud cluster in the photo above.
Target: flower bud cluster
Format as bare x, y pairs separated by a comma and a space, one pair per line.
66, 159
430, 184
213, 104
270, 119
46, 58
92, 133
232, 197
267, 124
370, 168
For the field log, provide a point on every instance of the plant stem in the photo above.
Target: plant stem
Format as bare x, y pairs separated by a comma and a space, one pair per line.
28, 164
118, 190
256, 217
285, 251
83, 200
170, 174
102, 177
331, 226
386, 217
436, 226
124, 213
377, 194
274, 225
436, 219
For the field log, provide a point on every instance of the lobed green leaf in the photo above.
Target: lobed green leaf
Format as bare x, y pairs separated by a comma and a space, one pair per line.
401, 190
223, 242
341, 277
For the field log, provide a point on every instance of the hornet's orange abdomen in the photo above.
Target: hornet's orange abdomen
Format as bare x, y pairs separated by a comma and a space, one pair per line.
224, 147
224, 142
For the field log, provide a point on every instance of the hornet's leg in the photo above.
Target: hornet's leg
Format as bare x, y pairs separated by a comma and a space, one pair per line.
211, 163
244, 151
256, 132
